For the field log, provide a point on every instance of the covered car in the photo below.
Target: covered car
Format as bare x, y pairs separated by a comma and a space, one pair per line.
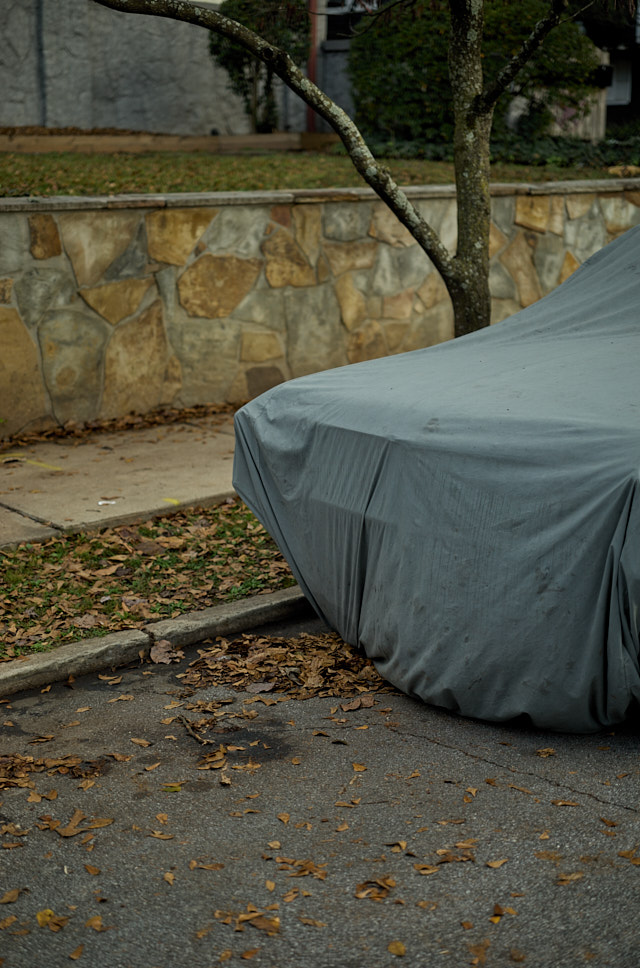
469, 514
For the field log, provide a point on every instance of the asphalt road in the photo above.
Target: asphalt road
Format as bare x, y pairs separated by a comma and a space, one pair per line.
354, 838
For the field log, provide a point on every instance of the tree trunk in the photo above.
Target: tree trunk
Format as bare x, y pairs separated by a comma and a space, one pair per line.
469, 287
466, 274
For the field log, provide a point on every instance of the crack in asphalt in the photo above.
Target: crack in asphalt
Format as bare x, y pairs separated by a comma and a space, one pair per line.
523, 772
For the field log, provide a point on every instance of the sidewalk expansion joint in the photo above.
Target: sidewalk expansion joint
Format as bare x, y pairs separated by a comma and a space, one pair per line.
32, 517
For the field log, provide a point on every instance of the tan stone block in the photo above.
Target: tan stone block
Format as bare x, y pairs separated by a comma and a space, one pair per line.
6, 285
22, 397
619, 214
346, 256
307, 230
387, 228
395, 333
374, 306
214, 285
579, 205
172, 377
238, 393
633, 197
366, 343
281, 214
353, 305
532, 212
432, 290
72, 344
433, 327
517, 260
140, 372
45, 241
173, 233
502, 309
117, 300
258, 346
399, 306
259, 379
569, 266
92, 240
285, 263
556, 216
497, 240
323, 269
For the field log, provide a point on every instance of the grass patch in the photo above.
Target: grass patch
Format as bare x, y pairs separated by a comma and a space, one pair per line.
85, 585
158, 172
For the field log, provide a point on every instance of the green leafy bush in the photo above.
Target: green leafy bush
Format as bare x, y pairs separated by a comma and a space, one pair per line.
398, 67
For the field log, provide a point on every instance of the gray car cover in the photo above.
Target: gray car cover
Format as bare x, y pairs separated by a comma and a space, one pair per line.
469, 514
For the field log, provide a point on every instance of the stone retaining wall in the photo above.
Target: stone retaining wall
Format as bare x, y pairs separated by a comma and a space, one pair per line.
112, 305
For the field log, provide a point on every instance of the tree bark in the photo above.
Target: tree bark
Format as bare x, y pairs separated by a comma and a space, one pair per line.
466, 275
469, 288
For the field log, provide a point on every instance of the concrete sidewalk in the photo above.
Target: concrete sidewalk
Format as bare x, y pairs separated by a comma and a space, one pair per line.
108, 478
105, 479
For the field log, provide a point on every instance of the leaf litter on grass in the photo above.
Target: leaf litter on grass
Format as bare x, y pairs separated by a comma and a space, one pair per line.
74, 586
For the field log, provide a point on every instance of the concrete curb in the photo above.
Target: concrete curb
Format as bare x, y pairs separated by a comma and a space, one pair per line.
121, 648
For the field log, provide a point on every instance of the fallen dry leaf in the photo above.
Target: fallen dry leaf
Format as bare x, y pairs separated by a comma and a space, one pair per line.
312, 922
565, 803
96, 923
7, 922
564, 879
376, 889
426, 869
479, 952
169, 877
496, 863
250, 953
284, 817
546, 751
396, 948
77, 952
164, 652
140, 742
358, 767
305, 666
10, 896
91, 869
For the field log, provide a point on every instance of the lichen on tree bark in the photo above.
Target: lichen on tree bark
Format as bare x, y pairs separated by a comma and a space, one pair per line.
466, 274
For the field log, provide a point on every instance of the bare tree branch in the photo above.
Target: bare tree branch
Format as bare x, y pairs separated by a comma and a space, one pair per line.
375, 174
487, 101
